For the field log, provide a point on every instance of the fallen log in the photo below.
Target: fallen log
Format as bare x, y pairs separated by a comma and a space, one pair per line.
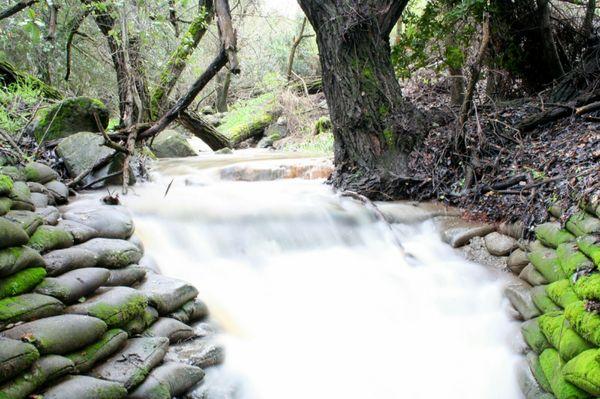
204, 131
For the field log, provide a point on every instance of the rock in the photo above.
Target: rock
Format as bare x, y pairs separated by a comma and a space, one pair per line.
131, 365
80, 386
457, 232
21, 197
275, 170
39, 173
29, 221
168, 381
532, 276
50, 336
126, 277
172, 144
166, 294
224, 151
515, 230
82, 151
169, 328
64, 260
530, 388
519, 294
47, 238
533, 335
207, 110
58, 191
35, 187
73, 285
115, 306
40, 200
191, 311
6, 184
43, 371
85, 359
80, 232
12, 234
266, 142
517, 261
201, 353
113, 253
276, 131
107, 221
13, 260
67, 117
28, 307
50, 215
499, 244
15, 357
21, 282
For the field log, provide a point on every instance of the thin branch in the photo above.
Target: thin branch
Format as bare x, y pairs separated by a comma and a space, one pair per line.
21, 5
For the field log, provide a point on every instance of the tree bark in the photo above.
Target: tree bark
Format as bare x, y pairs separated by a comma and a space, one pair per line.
295, 44
588, 22
204, 131
374, 127
223, 83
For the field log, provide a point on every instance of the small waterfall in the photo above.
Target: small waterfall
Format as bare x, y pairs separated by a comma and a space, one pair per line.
315, 298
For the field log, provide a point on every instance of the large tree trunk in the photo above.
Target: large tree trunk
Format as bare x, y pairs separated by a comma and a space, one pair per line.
374, 127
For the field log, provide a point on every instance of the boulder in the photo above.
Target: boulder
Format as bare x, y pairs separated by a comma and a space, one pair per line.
115, 306
50, 335
82, 151
67, 117
39, 173
16, 259
168, 381
20, 197
59, 191
169, 328
80, 386
29, 221
47, 238
113, 253
166, 294
21, 282
28, 307
64, 260
15, 357
73, 285
85, 359
517, 261
190, 312
107, 221
133, 363
43, 371
127, 276
499, 244
172, 144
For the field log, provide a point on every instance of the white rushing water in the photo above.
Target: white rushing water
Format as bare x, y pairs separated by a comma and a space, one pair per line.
314, 297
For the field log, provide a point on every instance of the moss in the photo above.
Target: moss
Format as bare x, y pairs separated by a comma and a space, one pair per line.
533, 335
572, 260
6, 184
590, 246
586, 324
389, 137
545, 261
538, 373
110, 342
588, 287
119, 315
323, 125
47, 238
551, 235
582, 223
28, 307
568, 343
584, 371
15, 259
249, 117
552, 365
15, 173
21, 282
542, 300
5, 205
562, 293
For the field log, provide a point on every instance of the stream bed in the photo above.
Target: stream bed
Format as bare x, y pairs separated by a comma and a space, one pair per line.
313, 294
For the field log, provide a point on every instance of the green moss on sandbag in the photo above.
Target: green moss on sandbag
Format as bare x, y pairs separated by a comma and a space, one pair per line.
47, 238
583, 371
552, 366
14, 172
542, 300
16, 259
590, 245
21, 197
6, 185
28, 307
11, 234
586, 324
561, 293
588, 287
533, 335
15, 358
111, 341
568, 343
536, 369
545, 261
571, 259
582, 223
44, 370
21, 282
551, 235
5, 205
39, 173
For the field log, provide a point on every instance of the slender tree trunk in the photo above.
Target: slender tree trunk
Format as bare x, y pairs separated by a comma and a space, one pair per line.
295, 44
588, 22
374, 127
223, 83
547, 40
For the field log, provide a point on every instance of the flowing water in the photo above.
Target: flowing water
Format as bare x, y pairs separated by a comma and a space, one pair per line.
315, 297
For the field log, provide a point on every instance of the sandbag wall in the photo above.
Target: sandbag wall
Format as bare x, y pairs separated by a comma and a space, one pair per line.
83, 313
558, 297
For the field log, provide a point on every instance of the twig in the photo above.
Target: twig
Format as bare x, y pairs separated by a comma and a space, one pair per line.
14, 145
101, 179
107, 140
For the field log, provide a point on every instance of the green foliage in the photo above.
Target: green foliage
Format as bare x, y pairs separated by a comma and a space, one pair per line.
17, 101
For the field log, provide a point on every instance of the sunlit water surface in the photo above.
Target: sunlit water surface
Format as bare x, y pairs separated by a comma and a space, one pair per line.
315, 298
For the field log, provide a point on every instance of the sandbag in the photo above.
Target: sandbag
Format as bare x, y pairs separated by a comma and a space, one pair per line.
545, 261
29, 221
561, 293
519, 295
40, 200
201, 353
14, 172
127, 276
21, 197
517, 260
582, 224
552, 365
568, 343
39, 173
111, 341
140, 323
533, 361
588, 286
533, 335
190, 312
590, 245
28, 307
131, 365
50, 215
15, 357
11, 234
530, 275
168, 381
113, 253
542, 300
586, 324
6, 184
59, 191
16, 259
528, 383
5, 205
166, 294
173, 329
47, 238
572, 260
108, 221
551, 234
21, 282
59, 334
63, 260
73, 285
84, 387
583, 371
80, 232
115, 306
44, 370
